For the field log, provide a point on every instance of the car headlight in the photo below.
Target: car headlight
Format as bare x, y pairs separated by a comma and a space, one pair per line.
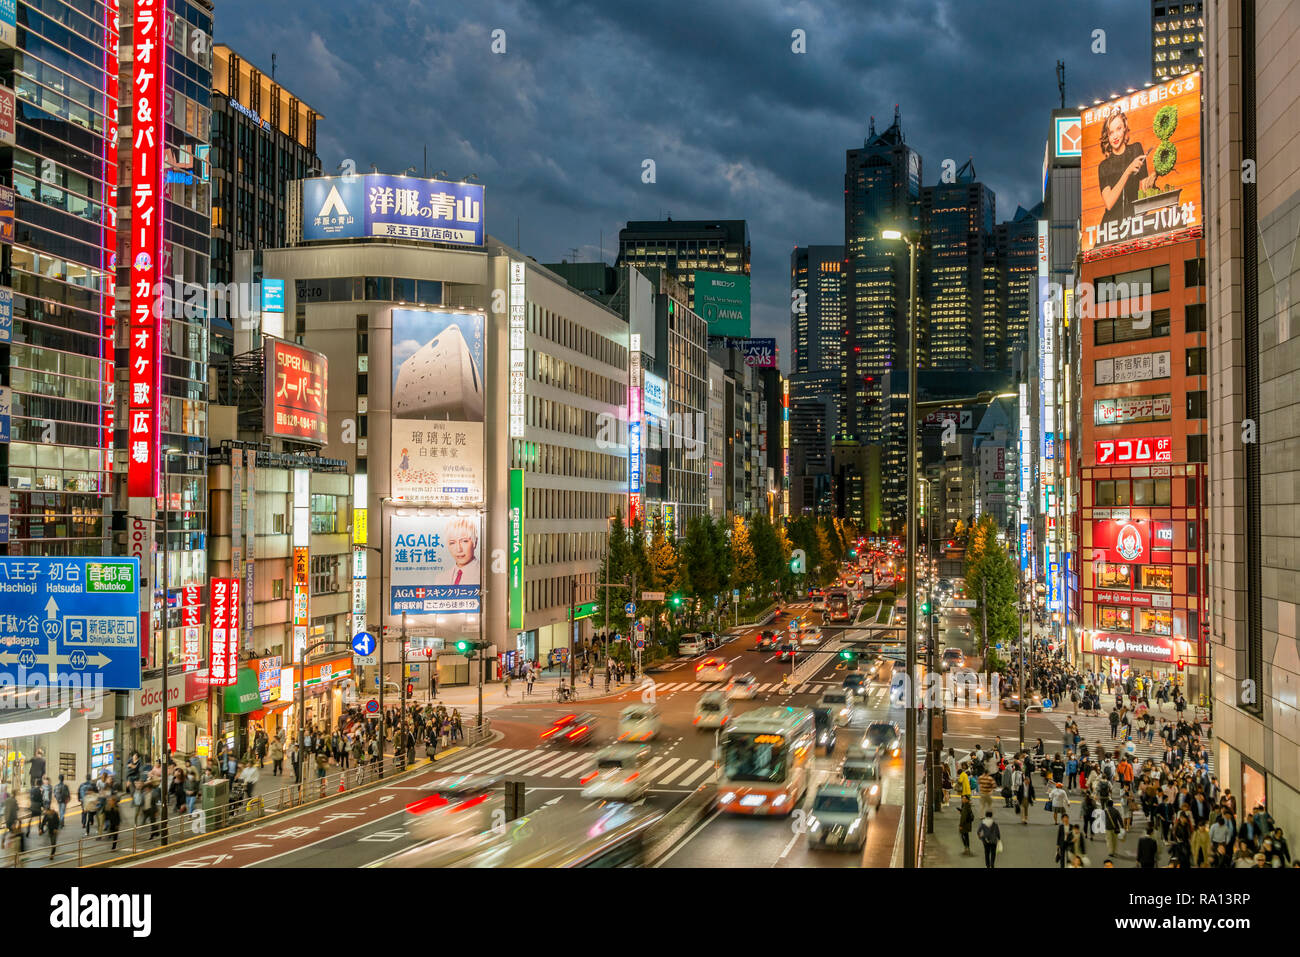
779, 800
875, 789
727, 798
814, 825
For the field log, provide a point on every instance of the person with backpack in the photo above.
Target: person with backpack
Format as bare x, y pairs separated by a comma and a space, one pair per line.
964, 821
1114, 827
62, 795
991, 838
50, 824
112, 818
88, 796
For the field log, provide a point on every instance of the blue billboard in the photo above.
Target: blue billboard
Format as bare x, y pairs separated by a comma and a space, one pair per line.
74, 621
392, 207
6, 314
273, 295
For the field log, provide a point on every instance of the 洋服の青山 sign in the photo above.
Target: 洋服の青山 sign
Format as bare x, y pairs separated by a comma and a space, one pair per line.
1131, 646
1122, 541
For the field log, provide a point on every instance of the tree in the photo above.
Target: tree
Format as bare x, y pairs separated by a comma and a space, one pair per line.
767, 552
991, 579
617, 567
699, 564
744, 565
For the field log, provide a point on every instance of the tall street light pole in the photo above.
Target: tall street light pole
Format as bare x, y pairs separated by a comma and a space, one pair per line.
166, 634
909, 473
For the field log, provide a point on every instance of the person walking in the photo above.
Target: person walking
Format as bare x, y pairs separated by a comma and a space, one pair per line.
112, 818
964, 822
276, 750
991, 838
62, 795
1114, 827
1064, 840
1059, 802
987, 784
88, 798
532, 677
50, 823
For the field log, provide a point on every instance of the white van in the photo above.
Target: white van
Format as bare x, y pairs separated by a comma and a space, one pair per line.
712, 710
692, 644
713, 669
637, 723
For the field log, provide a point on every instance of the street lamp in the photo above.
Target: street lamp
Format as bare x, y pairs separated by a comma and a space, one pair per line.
909, 764
165, 783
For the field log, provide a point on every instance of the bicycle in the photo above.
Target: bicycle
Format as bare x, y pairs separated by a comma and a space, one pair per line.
563, 694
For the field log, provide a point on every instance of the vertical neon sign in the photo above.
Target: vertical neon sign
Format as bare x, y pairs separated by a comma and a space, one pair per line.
108, 241
145, 353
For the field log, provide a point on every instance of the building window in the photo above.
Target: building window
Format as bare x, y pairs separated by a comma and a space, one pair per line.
1194, 272
277, 588
1194, 317
1196, 359
1197, 451
1196, 404
324, 574
1157, 578
324, 514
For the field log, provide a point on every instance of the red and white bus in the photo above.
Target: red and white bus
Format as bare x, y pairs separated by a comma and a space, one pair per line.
767, 761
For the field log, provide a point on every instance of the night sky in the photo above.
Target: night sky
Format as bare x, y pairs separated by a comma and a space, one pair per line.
738, 125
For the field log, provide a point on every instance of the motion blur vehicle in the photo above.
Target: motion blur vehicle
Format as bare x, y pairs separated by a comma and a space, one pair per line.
882, 737
1011, 702
841, 705
766, 761
953, 658
862, 767
825, 729
810, 638
838, 605
572, 729
617, 775
555, 835
691, 644
838, 817
638, 722
856, 682
742, 687
712, 711
713, 669
454, 804
711, 640
766, 641
818, 600
787, 649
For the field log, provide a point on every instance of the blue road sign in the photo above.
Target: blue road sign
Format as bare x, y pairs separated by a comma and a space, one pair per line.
363, 645
73, 620
640, 644
372, 706
1047, 704
629, 608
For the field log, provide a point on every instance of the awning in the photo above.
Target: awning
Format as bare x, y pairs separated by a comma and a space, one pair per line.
22, 725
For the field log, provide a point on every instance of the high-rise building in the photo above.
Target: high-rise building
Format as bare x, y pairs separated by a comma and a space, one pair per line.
1016, 244
1252, 93
682, 247
263, 138
882, 189
817, 329
1177, 38
957, 225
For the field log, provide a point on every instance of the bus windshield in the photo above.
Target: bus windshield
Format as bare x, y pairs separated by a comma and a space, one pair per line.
755, 757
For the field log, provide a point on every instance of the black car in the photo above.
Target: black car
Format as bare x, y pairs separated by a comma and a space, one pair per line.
825, 729
787, 649
882, 736
855, 680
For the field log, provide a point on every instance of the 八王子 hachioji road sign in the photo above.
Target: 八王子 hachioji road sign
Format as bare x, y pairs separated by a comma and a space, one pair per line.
75, 620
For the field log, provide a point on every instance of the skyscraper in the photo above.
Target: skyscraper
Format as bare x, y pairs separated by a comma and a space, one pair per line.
1177, 38
680, 247
957, 224
1016, 244
882, 188
817, 315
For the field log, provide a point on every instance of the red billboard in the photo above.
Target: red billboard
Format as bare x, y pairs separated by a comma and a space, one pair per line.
1145, 647
224, 650
148, 81
1136, 451
296, 384
1122, 541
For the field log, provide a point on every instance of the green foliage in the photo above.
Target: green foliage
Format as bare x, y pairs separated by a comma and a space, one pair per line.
1165, 122
1165, 158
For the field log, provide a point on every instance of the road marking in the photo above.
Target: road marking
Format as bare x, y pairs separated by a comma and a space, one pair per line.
690, 837
658, 772
786, 851
687, 781
685, 765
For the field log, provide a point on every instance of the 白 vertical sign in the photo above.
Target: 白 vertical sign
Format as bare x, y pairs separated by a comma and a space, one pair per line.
301, 597
108, 226
146, 204
237, 513
250, 490
634, 414
516, 548
6, 116
517, 350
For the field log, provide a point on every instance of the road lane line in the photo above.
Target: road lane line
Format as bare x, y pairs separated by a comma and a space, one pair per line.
787, 850
687, 781
689, 837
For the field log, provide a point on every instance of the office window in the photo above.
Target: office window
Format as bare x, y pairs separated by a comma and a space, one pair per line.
1196, 405
277, 588
1194, 272
1194, 317
1197, 451
1196, 361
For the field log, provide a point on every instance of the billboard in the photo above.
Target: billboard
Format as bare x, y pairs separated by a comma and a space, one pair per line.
656, 395
722, 301
1138, 368
296, 384
1122, 542
1141, 169
223, 652
434, 564
6, 116
8, 23
516, 548
392, 207
438, 401
758, 353
1136, 451
1067, 136
1132, 408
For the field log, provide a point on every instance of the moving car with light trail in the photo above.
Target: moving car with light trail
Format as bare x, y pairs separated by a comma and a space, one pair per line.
838, 818
712, 710
618, 775
638, 722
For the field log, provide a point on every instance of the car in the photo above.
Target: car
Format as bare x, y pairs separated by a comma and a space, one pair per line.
690, 644
1011, 702
883, 738
713, 669
455, 804
810, 638
712, 711
787, 649
838, 817
617, 775
571, 729
711, 639
862, 767
953, 658
766, 641
825, 729
743, 686
856, 682
840, 704
638, 722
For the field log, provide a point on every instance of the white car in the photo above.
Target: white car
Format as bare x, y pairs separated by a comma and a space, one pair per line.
712, 710
743, 686
838, 817
454, 805
638, 722
810, 638
841, 704
713, 669
617, 775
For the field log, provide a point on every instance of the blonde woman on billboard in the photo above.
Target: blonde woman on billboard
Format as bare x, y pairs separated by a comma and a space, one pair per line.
462, 544
1120, 173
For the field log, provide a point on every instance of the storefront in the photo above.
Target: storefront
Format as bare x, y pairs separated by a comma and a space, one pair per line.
139, 727
327, 688
1119, 655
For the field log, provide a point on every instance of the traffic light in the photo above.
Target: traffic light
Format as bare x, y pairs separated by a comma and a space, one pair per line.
1181, 664
676, 599
925, 608
848, 654
466, 646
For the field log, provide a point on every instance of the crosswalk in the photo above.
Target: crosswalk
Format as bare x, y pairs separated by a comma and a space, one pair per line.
774, 686
660, 771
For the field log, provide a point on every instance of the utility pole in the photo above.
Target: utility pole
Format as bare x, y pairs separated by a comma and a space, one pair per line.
573, 664
1020, 638
909, 474
402, 688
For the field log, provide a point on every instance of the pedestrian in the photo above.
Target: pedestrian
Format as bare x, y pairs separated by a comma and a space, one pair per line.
88, 797
1059, 802
112, 818
1147, 847
37, 767
62, 795
507, 684
532, 677
190, 790
276, 750
51, 824
964, 822
986, 785
1064, 842
148, 808
991, 838
1114, 828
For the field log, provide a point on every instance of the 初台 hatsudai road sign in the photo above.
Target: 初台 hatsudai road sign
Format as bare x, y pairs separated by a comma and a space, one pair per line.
70, 619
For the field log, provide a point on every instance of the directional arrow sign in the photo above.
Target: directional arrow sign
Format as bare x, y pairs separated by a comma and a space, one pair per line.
629, 608
71, 619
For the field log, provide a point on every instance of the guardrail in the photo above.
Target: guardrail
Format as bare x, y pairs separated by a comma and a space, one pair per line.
186, 827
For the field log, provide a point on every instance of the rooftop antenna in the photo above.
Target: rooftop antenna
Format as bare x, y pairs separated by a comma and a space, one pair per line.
871, 130
272, 67
573, 250
1060, 80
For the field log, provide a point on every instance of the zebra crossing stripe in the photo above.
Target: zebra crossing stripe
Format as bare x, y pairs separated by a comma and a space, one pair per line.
534, 764
550, 763
503, 758
475, 760
685, 765
687, 781
658, 772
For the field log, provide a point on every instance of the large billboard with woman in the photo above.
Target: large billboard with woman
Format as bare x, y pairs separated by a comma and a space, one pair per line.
1141, 176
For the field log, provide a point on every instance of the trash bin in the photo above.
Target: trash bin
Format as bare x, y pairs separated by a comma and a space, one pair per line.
215, 802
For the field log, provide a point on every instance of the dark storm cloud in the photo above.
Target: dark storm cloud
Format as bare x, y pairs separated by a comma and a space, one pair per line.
738, 125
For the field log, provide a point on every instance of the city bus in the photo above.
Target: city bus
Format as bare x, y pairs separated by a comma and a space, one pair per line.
837, 604
767, 761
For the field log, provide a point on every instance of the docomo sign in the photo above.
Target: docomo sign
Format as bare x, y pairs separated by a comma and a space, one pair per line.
1122, 542
224, 654
146, 203
1135, 451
